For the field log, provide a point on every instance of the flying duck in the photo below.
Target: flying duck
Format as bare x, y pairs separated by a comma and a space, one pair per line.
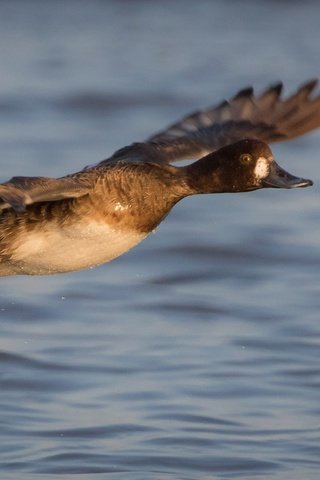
87, 218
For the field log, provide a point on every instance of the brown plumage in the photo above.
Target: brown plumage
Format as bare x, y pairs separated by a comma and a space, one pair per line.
55, 225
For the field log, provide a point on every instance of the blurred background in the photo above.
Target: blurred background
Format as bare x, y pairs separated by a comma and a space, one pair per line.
195, 355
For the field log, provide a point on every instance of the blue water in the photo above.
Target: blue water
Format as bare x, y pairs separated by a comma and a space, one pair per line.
197, 354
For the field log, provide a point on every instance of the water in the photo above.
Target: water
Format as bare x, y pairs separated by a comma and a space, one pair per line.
195, 355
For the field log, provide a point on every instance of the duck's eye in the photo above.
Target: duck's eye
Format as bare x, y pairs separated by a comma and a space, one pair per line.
245, 158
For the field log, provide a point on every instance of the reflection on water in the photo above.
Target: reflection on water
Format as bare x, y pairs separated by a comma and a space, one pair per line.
196, 355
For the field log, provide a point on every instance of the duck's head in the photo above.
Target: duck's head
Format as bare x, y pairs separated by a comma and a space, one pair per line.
243, 166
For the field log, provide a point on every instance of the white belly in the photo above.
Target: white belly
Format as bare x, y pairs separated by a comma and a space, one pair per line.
71, 248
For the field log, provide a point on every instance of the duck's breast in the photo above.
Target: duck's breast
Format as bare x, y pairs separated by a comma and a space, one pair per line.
73, 247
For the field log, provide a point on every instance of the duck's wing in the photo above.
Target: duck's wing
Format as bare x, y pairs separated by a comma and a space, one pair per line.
265, 117
19, 192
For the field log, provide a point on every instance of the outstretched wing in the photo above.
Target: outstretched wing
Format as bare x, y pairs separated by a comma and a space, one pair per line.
265, 117
22, 191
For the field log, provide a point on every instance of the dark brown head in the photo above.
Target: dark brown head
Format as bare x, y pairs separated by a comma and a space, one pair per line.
240, 167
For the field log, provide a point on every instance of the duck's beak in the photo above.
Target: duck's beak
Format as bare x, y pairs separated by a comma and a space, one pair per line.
279, 178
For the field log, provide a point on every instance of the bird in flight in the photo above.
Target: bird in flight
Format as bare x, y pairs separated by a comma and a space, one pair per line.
87, 218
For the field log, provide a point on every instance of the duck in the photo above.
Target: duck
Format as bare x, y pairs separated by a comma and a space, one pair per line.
88, 218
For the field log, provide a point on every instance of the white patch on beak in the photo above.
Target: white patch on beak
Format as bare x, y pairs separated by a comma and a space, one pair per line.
261, 169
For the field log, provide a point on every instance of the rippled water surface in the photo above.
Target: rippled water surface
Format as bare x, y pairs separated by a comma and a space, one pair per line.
197, 354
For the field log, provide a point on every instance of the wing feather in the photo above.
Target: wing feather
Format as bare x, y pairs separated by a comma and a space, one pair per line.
19, 192
266, 117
